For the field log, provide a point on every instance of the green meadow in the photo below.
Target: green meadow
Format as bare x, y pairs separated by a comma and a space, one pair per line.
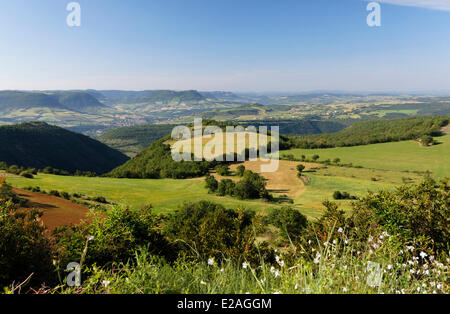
397, 156
163, 194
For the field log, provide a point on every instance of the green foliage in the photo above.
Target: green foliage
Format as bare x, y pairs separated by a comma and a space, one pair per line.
24, 250
240, 170
131, 140
116, 235
289, 221
226, 187
208, 230
374, 131
427, 140
211, 183
251, 186
223, 170
338, 195
415, 213
7, 195
156, 162
39, 145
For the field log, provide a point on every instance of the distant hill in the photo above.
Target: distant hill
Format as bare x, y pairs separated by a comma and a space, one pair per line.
75, 101
156, 162
13, 100
374, 131
151, 97
38, 145
221, 95
131, 140
78, 101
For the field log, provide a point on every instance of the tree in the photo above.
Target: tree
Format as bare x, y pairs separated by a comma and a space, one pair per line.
290, 221
240, 170
315, 157
211, 183
300, 169
223, 170
337, 160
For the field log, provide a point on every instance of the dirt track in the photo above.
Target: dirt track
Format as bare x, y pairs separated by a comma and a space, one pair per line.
57, 211
284, 181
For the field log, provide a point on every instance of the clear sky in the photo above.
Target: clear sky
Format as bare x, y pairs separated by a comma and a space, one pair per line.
237, 45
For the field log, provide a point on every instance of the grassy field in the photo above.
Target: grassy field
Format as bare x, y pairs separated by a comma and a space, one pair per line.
398, 156
385, 167
164, 194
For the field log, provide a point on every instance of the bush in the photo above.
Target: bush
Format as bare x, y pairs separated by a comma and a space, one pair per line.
24, 250
211, 183
290, 221
226, 187
7, 194
240, 170
118, 233
223, 170
27, 175
207, 230
338, 195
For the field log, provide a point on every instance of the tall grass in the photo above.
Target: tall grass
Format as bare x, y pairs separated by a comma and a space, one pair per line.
336, 269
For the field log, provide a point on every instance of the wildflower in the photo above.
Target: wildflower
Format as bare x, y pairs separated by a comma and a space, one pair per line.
412, 271
410, 248
211, 261
222, 270
277, 292
272, 269
296, 286
401, 252
340, 230
91, 238
277, 258
344, 289
345, 267
106, 283
418, 289
389, 267
244, 265
277, 273
281, 263
203, 283
346, 242
439, 286
316, 260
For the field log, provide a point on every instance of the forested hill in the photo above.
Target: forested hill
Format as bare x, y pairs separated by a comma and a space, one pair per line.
372, 132
38, 145
71, 100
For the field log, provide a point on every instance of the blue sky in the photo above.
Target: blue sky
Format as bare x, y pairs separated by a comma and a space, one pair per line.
238, 45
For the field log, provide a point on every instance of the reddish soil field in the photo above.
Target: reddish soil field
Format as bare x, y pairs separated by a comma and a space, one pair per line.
57, 211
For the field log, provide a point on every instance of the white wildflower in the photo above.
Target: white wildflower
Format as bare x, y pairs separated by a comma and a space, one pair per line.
211, 261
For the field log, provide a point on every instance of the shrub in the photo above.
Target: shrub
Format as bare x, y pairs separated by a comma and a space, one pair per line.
223, 170
24, 250
27, 175
118, 233
290, 221
205, 230
211, 183
240, 170
7, 194
226, 187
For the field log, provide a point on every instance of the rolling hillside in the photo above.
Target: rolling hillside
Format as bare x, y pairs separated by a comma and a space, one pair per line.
131, 140
38, 145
